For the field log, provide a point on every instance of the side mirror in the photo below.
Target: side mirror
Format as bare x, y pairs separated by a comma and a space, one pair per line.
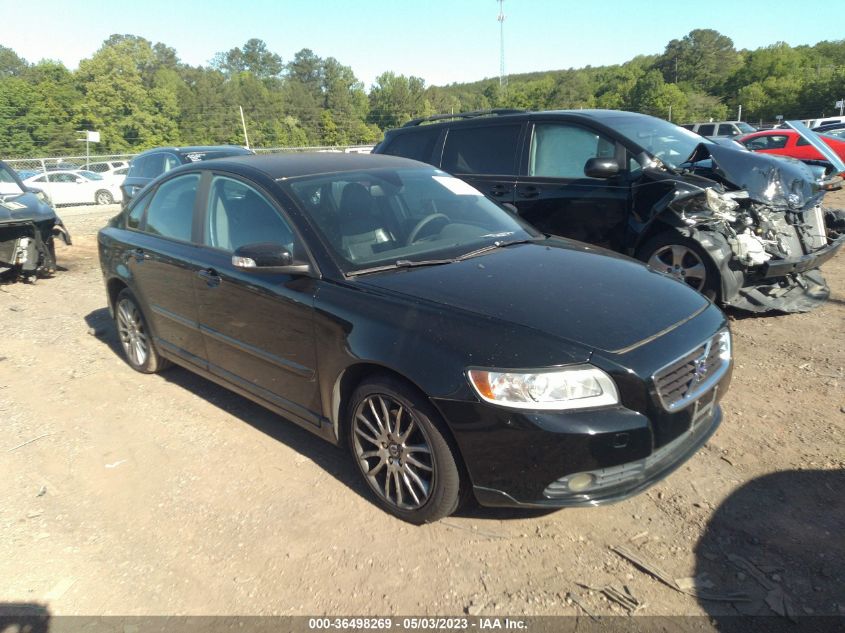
601, 168
267, 257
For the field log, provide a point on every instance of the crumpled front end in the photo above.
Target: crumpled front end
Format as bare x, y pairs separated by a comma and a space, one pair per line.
769, 236
28, 227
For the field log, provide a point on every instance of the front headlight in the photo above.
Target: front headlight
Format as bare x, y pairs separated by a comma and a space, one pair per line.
695, 208
575, 387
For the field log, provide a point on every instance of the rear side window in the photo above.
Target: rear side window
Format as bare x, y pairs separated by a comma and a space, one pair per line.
482, 150
562, 151
152, 166
171, 211
802, 141
706, 130
417, 145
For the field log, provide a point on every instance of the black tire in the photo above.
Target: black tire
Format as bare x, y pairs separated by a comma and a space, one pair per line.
103, 197
133, 334
678, 256
422, 426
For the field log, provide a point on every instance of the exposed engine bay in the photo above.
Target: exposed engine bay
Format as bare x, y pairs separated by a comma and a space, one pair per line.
28, 227
761, 220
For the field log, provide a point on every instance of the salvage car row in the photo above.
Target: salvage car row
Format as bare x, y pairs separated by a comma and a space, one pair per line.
428, 318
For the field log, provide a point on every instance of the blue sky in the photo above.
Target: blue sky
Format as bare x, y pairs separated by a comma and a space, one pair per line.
442, 41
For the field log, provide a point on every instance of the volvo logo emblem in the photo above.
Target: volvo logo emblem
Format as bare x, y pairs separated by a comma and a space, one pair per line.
699, 372
699, 369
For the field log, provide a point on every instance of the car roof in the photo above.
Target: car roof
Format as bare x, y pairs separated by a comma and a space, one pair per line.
279, 166
493, 116
191, 148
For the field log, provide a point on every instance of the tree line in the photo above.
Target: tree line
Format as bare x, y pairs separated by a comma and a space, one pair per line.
139, 95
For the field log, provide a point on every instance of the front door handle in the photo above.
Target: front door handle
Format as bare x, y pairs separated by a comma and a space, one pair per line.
529, 192
139, 254
212, 279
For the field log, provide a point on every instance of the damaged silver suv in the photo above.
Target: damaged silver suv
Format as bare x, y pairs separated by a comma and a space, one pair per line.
746, 229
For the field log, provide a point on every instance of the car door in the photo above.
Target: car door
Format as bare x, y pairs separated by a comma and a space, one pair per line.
258, 326
486, 156
556, 196
163, 260
802, 149
64, 188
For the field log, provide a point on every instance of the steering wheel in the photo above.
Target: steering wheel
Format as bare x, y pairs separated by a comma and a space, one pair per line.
415, 232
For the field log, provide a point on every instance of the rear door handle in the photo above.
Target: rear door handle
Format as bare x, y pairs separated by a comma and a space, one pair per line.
499, 190
212, 279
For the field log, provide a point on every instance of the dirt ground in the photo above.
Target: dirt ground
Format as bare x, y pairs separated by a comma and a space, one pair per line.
129, 494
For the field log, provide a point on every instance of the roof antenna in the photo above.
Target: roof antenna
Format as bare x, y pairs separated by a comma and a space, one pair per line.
503, 78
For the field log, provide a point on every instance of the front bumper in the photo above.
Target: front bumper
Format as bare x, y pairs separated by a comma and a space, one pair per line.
783, 267
514, 458
631, 478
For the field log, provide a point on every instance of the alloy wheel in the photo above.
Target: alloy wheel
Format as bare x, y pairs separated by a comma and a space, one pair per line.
680, 262
133, 336
393, 451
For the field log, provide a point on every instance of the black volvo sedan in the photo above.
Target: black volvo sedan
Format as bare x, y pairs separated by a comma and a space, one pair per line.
391, 308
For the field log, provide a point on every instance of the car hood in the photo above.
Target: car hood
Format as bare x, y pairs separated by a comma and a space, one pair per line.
24, 207
771, 180
566, 289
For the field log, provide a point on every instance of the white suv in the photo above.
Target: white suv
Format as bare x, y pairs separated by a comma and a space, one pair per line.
720, 128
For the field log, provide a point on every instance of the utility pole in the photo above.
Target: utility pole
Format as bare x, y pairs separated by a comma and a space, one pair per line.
503, 79
739, 113
243, 123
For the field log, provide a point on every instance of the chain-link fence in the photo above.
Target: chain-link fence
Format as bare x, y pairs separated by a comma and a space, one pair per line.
98, 163
27, 167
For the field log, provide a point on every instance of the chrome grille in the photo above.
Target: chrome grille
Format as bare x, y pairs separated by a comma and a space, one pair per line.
681, 382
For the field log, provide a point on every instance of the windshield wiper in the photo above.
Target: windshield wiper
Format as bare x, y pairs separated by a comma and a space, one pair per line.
492, 247
408, 263
400, 263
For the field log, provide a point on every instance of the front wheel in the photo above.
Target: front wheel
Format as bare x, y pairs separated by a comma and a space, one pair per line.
683, 259
104, 197
401, 449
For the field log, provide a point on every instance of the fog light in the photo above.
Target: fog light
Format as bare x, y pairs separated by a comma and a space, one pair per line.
581, 481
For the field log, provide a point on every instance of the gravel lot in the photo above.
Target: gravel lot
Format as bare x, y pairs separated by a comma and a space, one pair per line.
131, 494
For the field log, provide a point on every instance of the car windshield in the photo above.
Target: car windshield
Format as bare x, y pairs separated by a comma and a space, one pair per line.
403, 217
670, 143
90, 175
745, 128
8, 183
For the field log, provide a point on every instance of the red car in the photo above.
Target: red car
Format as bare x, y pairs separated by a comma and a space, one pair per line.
789, 143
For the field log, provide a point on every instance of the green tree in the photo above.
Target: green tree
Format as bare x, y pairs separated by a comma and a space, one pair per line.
652, 95
124, 97
10, 64
254, 58
704, 59
394, 99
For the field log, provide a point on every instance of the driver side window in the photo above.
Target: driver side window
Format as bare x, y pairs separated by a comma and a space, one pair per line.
239, 215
